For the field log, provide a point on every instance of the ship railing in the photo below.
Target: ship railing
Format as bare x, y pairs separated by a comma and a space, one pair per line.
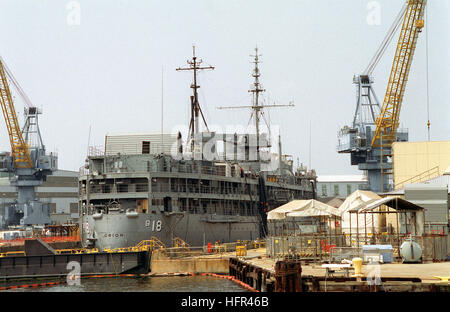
164, 187
141, 187
103, 188
12, 254
221, 248
161, 187
211, 249
123, 188
98, 150
82, 171
76, 251
209, 170
150, 244
197, 170
179, 243
69, 251
123, 249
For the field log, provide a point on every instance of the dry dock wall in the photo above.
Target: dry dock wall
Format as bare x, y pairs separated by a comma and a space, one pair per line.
194, 265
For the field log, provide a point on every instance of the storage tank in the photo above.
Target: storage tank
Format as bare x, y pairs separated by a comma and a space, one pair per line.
411, 251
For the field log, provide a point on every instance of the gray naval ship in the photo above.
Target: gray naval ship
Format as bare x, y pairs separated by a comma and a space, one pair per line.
145, 186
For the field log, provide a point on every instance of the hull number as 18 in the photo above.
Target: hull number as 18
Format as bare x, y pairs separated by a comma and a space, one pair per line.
156, 225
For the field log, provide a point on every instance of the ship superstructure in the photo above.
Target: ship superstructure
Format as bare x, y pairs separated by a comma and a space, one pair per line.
190, 190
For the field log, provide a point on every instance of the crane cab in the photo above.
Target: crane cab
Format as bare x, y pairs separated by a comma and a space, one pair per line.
419, 24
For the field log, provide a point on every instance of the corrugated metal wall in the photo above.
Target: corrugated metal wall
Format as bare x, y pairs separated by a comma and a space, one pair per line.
431, 197
131, 144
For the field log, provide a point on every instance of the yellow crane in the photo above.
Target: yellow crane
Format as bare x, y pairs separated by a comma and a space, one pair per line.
19, 148
374, 128
388, 120
28, 165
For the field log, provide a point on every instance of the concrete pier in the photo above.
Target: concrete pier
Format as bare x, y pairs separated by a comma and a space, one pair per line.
269, 275
266, 274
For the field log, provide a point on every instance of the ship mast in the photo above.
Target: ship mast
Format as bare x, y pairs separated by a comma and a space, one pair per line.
256, 90
194, 65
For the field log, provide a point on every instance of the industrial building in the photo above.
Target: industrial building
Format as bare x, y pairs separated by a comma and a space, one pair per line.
60, 191
415, 162
434, 196
340, 186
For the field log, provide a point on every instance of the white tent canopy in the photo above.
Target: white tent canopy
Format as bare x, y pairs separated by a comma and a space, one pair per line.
354, 201
395, 203
303, 208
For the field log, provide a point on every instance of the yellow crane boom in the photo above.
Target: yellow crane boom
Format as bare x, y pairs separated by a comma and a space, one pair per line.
388, 120
19, 149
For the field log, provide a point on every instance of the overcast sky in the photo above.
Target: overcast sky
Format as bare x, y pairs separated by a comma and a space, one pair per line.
101, 67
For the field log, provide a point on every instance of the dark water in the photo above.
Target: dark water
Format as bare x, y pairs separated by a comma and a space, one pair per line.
144, 284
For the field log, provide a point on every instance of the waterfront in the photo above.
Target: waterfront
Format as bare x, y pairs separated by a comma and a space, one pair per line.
145, 284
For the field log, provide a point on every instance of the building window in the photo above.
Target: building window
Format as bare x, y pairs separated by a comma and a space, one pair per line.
349, 189
324, 190
145, 147
336, 189
53, 207
73, 207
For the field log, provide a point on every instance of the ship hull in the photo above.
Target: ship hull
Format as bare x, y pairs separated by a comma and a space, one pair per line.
120, 230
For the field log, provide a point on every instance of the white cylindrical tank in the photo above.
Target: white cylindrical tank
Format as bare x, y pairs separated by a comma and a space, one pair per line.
411, 251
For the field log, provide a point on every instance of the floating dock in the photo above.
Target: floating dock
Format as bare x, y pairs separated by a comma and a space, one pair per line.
40, 260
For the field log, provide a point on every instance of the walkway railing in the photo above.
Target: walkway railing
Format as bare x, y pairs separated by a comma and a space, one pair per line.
426, 175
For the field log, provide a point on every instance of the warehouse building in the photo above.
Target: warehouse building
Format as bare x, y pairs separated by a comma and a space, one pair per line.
340, 186
415, 162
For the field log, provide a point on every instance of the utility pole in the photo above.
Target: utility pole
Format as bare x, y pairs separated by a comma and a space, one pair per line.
194, 65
